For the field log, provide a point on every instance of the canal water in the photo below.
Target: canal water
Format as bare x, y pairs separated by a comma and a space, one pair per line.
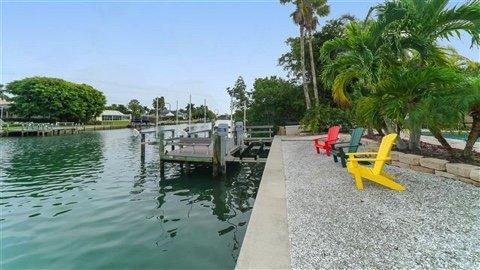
88, 201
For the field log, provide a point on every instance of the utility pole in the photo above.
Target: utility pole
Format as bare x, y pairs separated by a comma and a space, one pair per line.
204, 110
231, 112
189, 112
156, 118
176, 120
244, 115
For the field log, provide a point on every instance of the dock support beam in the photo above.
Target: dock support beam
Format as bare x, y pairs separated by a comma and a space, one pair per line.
161, 151
219, 161
142, 146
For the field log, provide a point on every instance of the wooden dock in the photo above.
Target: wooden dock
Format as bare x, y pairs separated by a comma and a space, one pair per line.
209, 146
46, 129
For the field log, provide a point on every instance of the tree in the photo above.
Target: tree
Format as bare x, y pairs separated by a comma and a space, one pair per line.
238, 93
3, 91
321, 9
473, 69
118, 107
401, 40
161, 103
291, 61
275, 101
412, 28
136, 108
199, 112
299, 18
55, 99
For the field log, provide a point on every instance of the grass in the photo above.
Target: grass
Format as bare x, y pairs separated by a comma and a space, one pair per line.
116, 123
120, 123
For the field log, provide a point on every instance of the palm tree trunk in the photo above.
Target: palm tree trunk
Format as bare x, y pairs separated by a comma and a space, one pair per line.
414, 137
473, 135
312, 65
438, 135
390, 128
304, 71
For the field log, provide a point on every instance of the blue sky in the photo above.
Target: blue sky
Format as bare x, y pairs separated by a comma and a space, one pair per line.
143, 49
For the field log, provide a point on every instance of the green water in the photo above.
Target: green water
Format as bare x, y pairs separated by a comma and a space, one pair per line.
87, 201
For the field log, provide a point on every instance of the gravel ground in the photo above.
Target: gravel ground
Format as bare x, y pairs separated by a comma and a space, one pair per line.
434, 224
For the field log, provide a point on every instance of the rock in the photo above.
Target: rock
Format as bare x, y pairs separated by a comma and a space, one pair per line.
292, 130
395, 155
456, 177
409, 159
475, 174
422, 169
400, 164
460, 169
434, 163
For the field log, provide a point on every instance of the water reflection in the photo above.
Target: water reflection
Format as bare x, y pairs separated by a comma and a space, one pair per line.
56, 165
115, 210
183, 198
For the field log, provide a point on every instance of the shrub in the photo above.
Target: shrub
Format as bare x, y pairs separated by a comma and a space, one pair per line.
320, 118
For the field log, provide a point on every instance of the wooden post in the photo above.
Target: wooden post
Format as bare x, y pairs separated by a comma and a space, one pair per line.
161, 150
142, 146
173, 136
219, 162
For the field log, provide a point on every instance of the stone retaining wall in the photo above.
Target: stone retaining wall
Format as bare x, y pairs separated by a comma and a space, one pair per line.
463, 172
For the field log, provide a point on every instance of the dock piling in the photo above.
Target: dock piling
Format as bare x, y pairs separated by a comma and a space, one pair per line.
161, 150
219, 161
142, 146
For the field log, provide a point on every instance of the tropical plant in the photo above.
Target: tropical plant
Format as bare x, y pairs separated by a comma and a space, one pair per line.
398, 53
320, 118
291, 60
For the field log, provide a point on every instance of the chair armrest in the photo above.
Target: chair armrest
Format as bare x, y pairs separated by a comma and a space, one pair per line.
363, 153
345, 146
369, 159
339, 143
319, 137
331, 140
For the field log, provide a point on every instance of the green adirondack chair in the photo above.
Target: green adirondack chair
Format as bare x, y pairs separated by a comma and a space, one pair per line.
339, 149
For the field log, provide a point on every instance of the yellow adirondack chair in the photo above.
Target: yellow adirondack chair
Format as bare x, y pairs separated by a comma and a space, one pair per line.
375, 173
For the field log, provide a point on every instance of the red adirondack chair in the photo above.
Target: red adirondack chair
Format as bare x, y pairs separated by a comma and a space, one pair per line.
325, 142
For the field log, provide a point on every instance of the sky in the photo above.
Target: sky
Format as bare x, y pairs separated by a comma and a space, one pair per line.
142, 49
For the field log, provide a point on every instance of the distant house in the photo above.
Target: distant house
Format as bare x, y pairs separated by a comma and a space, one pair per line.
112, 115
4, 106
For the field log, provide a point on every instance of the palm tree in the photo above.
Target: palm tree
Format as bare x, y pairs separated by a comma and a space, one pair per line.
314, 9
404, 34
299, 18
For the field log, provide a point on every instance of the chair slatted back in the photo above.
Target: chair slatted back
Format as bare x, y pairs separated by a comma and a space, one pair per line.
384, 152
333, 132
355, 140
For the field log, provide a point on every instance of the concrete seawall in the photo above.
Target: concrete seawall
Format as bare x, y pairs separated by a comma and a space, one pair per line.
266, 243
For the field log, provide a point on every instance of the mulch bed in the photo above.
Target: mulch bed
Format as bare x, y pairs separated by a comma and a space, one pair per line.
436, 151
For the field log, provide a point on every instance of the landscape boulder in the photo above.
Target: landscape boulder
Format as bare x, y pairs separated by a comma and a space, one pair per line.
460, 169
434, 163
409, 159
